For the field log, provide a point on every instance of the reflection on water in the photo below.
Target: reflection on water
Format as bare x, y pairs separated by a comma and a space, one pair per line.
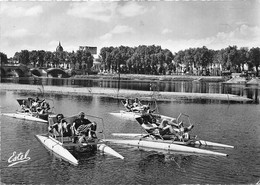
245, 90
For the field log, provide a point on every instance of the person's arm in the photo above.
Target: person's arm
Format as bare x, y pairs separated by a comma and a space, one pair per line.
73, 127
56, 123
149, 127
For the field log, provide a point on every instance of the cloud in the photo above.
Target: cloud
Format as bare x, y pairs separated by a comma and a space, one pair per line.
132, 9
15, 11
122, 29
242, 36
34, 11
107, 36
166, 31
105, 11
53, 43
119, 29
19, 33
100, 11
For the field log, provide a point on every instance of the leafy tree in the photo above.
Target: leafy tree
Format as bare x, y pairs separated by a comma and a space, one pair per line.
254, 56
40, 55
243, 57
154, 62
79, 58
222, 58
117, 59
203, 56
179, 57
55, 61
106, 57
188, 59
88, 60
16, 56
3, 58
24, 57
168, 56
60, 56
33, 57
72, 59
233, 57
129, 65
108, 61
48, 58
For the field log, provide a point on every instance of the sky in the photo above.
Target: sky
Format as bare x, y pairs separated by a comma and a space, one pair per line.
173, 25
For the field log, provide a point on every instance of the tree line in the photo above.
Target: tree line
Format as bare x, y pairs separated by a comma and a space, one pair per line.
137, 60
78, 60
144, 59
155, 60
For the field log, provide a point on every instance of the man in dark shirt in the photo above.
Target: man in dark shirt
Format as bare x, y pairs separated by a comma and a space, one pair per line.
81, 120
84, 128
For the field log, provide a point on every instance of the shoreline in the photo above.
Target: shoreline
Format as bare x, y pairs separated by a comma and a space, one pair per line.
122, 93
153, 77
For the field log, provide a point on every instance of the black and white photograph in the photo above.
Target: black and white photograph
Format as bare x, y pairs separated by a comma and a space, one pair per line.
102, 92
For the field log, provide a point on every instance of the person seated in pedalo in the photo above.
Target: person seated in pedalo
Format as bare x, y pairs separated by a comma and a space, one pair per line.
61, 127
150, 124
166, 129
176, 131
137, 105
25, 107
84, 128
128, 105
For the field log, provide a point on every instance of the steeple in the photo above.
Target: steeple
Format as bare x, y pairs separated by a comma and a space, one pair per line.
59, 48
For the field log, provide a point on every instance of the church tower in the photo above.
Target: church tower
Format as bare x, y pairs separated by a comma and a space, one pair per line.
59, 48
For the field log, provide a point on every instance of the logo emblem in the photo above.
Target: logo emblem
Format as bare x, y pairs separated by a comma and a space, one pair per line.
18, 158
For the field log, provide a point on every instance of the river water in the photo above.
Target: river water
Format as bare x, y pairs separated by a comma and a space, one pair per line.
234, 124
246, 90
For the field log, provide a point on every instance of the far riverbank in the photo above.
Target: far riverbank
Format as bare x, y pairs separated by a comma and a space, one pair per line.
154, 77
120, 94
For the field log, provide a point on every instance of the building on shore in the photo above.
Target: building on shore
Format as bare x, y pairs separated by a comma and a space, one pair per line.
59, 48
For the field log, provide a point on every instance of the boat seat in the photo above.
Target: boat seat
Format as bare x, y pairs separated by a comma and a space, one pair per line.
52, 119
